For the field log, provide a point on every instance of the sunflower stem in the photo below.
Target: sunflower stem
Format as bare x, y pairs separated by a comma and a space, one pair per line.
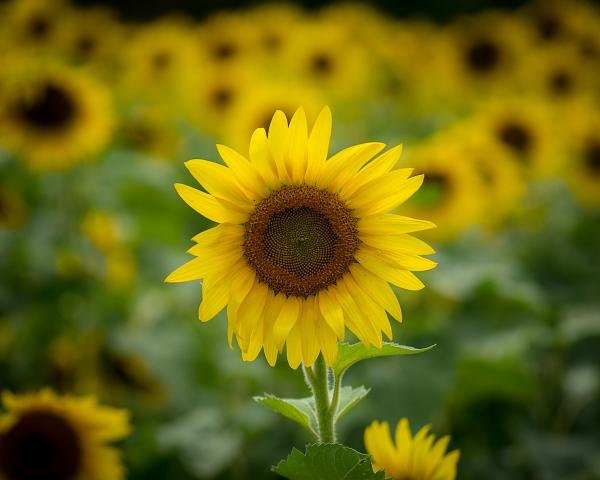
319, 383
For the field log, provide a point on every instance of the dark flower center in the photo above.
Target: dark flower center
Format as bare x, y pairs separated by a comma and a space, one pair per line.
222, 98
52, 109
548, 27
85, 45
161, 61
39, 27
482, 56
516, 136
224, 51
40, 446
300, 240
561, 82
322, 64
592, 157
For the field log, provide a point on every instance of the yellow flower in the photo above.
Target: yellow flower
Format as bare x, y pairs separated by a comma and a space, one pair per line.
447, 196
414, 458
44, 435
258, 106
54, 116
582, 151
305, 245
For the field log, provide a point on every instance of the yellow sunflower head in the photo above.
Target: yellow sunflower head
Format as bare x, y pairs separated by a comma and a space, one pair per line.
54, 116
44, 435
418, 457
305, 245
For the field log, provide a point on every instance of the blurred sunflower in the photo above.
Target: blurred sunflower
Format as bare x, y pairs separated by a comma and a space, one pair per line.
54, 116
161, 63
217, 93
225, 38
324, 56
34, 23
259, 105
305, 246
416, 458
447, 196
525, 127
497, 169
44, 435
582, 152
484, 53
149, 130
91, 36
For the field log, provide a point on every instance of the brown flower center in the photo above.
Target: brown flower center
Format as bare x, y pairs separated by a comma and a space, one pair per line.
516, 136
482, 56
322, 64
51, 109
300, 239
592, 157
40, 446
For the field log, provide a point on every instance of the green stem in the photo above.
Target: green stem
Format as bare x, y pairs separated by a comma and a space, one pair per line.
319, 383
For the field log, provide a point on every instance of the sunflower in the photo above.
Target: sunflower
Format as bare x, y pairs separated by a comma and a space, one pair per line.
418, 457
161, 62
35, 23
305, 246
259, 105
54, 116
582, 162
452, 185
44, 435
484, 53
524, 127
324, 55
497, 170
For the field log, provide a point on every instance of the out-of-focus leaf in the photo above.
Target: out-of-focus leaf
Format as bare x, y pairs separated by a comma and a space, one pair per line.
349, 354
300, 410
349, 398
327, 462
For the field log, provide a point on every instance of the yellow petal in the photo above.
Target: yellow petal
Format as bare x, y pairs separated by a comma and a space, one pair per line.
244, 172
193, 270
377, 289
383, 194
278, 142
249, 313
403, 243
396, 276
220, 182
286, 320
391, 224
328, 343
208, 206
404, 444
294, 347
407, 262
297, 147
373, 170
343, 165
318, 145
372, 313
240, 286
260, 157
332, 313
307, 320
215, 293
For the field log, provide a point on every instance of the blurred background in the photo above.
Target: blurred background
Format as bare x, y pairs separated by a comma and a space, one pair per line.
496, 102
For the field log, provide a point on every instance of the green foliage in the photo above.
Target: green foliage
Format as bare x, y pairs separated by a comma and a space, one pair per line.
327, 462
349, 354
300, 410
303, 410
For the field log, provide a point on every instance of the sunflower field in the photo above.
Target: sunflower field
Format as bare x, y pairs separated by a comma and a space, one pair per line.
414, 197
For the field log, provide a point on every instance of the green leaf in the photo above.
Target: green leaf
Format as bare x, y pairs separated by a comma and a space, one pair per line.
349, 397
348, 354
300, 410
327, 462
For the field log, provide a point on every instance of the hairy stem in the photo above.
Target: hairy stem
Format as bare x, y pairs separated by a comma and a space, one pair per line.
320, 387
